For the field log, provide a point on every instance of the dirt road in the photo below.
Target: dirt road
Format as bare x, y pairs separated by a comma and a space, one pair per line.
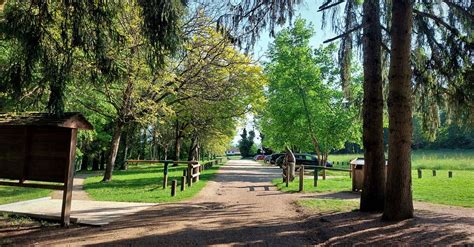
241, 207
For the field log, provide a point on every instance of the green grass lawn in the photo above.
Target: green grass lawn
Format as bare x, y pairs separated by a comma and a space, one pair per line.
9, 194
329, 205
143, 183
457, 191
428, 159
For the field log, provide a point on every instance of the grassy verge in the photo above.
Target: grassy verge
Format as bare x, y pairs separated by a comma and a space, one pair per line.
143, 183
428, 159
10, 194
329, 205
456, 191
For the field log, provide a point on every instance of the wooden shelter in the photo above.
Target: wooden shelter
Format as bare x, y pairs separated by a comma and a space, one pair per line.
40, 147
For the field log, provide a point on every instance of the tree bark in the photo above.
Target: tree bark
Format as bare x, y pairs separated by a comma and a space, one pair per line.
85, 162
102, 160
398, 200
125, 151
372, 198
114, 146
95, 162
193, 149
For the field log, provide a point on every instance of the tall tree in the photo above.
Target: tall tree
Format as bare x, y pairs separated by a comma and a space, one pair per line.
398, 200
372, 198
303, 109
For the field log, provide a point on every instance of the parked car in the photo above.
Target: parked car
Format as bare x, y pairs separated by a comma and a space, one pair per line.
267, 158
304, 159
259, 157
274, 157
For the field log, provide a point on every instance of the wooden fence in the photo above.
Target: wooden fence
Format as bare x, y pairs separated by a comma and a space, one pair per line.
316, 170
191, 173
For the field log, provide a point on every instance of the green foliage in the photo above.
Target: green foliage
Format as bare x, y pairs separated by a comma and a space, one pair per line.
246, 144
303, 108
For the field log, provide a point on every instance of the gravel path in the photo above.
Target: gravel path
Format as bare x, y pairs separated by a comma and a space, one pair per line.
78, 192
241, 207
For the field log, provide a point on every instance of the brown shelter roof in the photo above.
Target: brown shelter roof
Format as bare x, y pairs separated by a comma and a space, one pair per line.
72, 120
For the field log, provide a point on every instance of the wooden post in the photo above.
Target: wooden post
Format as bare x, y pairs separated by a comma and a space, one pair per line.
450, 174
165, 175
287, 175
315, 177
350, 171
190, 173
420, 175
434, 173
183, 183
173, 187
68, 181
185, 172
301, 178
324, 174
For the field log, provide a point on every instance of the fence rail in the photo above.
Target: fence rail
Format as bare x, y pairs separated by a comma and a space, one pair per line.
191, 174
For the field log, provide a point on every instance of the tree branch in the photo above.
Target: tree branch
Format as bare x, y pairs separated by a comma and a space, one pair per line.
324, 6
345, 33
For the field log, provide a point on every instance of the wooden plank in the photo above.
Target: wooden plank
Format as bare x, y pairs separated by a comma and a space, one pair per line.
12, 152
68, 180
33, 185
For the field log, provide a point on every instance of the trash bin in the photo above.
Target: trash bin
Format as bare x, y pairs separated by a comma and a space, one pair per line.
357, 167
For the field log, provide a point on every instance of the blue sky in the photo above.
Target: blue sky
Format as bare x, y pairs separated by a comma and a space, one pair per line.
307, 11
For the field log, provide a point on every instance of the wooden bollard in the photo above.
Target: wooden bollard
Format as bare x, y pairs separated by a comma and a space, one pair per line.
450, 174
183, 183
287, 175
301, 178
420, 175
165, 176
324, 174
190, 176
315, 183
173, 187
434, 173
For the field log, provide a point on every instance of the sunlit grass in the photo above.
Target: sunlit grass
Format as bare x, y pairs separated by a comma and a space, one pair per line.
10, 194
456, 191
329, 205
143, 183
457, 159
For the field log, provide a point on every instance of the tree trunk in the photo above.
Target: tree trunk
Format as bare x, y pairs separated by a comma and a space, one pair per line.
372, 198
85, 162
95, 162
143, 146
114, 146
102, 160
193, 149
398, 200
125, 151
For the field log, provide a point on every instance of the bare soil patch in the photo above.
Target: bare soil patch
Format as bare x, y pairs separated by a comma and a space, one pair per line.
242, 207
